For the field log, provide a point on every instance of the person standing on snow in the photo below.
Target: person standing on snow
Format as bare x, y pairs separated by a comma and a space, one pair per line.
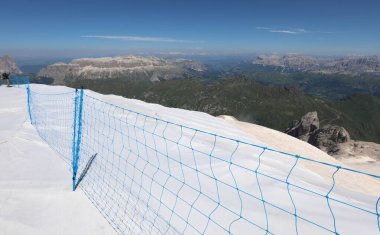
5, 76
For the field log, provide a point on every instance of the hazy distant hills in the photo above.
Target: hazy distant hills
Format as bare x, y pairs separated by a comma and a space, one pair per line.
159, 69
122, 67
8, 65
301, 63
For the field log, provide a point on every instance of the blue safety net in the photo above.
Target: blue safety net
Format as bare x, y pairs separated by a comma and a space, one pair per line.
147, 175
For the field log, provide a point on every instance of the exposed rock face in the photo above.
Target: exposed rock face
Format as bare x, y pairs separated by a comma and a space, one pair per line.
303, 128
8, 65
345, 65
332, 139
126, 67
329, 137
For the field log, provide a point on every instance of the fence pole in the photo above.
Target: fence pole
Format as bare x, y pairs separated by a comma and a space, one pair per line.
77, 133
29, 98
74, 136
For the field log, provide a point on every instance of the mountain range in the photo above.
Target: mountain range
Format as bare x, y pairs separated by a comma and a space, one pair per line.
353, 65
125, 67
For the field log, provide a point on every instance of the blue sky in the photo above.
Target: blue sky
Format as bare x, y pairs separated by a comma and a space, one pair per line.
43, 28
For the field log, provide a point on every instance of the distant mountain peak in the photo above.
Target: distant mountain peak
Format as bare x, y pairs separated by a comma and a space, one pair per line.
8, 65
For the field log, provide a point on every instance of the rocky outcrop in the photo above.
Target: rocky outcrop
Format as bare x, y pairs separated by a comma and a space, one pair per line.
122, 67
343, 65
332, 139
302, 129
8, 65
329, 138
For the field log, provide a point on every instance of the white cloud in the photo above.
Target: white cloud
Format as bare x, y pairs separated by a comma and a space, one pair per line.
137, 38
263, 28
281, 30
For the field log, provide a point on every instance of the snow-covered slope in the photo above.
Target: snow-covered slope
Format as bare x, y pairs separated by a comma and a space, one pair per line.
289, 144
36, 183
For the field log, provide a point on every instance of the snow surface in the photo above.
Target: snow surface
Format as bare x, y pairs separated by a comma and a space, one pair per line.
289, 144
35, 184
36, 196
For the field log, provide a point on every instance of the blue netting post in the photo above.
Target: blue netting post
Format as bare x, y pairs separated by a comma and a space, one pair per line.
29, 101
77, 133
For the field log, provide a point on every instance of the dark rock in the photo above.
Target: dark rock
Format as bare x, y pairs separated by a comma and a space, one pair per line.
305, 127
329, 138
